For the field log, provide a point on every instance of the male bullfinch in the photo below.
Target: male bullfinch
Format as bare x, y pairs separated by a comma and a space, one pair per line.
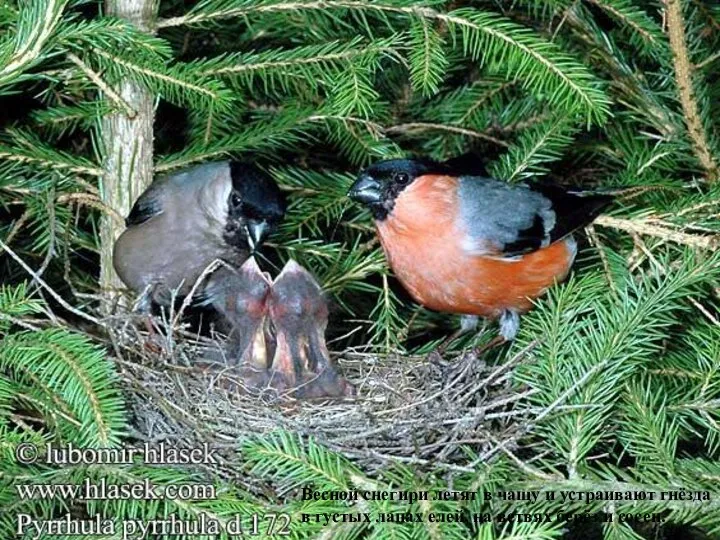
299, 317
185, 221
473, 245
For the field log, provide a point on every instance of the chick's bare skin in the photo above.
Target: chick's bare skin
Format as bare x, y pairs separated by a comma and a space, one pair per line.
241, 297
299, 316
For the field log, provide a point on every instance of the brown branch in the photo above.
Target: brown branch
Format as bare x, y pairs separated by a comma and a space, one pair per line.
421, 126
83, 199
683, 79
128, 146
59, 299
19, 224
104, 87
643, 227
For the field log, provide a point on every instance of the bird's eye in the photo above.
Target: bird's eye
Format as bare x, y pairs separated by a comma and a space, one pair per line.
235, 200
402, 178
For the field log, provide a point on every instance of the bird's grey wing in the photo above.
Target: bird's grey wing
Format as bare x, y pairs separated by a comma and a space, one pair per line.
509, 220
148, 205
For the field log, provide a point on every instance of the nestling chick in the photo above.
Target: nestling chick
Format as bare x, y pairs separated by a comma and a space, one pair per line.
185, 221
299, 316
473, 245
241, 297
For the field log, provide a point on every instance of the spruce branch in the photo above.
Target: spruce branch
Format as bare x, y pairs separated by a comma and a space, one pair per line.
60, 300
386, 317
541, 144
23, 148
537, 61
684, 82
208, 11
104, 87
284, 129
295, 461
15, 302
645, 227
634, 18
353, 93
647, 430
428, 62
78, 372
421, 126
36, 24
544, 68
65, 119
176, 82
310, 65
483, 100
361, 140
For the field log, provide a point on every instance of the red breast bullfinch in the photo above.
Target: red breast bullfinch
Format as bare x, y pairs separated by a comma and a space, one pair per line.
473, 245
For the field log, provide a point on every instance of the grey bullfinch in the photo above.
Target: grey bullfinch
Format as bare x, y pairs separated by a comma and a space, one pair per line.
183, 222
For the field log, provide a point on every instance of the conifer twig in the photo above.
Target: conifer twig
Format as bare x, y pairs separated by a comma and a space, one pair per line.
644, 228
93, 202
17, 226
550, 408
702, 309
683, 79
60, 300
32, 46
412, 126
103, 86
603, 258
618, 14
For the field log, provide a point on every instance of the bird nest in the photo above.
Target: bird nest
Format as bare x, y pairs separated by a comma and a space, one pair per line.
425, 411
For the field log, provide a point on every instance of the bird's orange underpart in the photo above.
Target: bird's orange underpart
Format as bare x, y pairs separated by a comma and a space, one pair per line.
423, 242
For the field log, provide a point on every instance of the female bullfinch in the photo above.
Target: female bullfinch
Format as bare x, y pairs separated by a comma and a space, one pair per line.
183, 222
473, 245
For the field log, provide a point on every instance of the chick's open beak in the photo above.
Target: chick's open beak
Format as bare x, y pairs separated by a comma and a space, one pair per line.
366, 190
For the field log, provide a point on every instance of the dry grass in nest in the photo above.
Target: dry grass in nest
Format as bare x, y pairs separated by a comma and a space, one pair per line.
413, 410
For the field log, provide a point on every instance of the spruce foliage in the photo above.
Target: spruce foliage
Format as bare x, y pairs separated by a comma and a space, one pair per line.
619, 95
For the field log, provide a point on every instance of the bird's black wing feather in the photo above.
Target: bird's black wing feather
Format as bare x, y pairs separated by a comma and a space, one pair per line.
147, 206
528, 240
573, 209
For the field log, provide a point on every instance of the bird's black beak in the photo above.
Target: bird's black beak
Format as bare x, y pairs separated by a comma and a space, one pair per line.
366, 190
257, 231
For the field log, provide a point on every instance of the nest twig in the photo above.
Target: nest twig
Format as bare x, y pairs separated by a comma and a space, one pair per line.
408, 409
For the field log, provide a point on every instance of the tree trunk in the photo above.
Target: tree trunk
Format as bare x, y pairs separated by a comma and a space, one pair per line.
128, 145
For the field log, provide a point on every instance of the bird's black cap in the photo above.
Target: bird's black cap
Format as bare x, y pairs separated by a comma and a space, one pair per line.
260, 193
